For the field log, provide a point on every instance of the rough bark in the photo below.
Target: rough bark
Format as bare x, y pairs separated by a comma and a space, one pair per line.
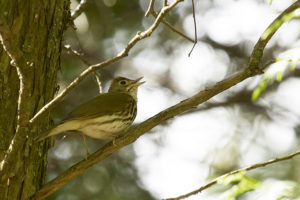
38, 37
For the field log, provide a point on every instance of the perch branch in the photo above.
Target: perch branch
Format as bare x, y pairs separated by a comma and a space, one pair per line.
139, 36
215, 181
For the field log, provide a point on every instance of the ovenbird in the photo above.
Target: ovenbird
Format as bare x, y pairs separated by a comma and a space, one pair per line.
105, 116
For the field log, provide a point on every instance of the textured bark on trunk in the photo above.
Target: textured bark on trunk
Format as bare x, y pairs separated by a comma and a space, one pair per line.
36, 29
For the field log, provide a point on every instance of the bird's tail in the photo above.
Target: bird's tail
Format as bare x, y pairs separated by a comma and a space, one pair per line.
56, 130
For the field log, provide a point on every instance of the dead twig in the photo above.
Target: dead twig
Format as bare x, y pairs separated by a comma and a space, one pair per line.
195, 29
154, 14
79, 55
76, 54
150, 8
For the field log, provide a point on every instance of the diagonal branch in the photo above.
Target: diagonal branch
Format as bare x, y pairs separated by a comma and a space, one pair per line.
165, 22
80, 56
216, 181
75, 53
79, 9
133, 133
139, 36
287, 15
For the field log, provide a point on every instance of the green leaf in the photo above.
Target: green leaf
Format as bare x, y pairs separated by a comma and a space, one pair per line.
245, 184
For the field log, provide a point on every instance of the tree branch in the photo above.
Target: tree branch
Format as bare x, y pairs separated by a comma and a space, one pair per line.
78, 55
154, 14
150, 8
139, 36
79, 9
216, 181
75, 53
287, 15
151, 11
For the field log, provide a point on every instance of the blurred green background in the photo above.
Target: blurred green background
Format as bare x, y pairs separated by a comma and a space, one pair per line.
227, 132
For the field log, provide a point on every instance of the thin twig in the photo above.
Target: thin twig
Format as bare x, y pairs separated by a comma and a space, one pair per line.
215, 181
151, 11
97, 76
139, 36
79, 9
79, 55
195, 29
150, 8
133, 133
75, 53
154, 14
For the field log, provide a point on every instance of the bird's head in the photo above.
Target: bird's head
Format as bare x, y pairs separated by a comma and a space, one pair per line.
125, 85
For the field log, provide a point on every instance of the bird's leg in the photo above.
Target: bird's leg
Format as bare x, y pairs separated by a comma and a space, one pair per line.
113, 135
86, 146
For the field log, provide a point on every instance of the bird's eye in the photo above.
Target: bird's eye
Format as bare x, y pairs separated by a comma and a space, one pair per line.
123, 82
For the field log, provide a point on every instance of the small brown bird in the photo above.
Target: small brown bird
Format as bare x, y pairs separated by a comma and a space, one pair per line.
105, 116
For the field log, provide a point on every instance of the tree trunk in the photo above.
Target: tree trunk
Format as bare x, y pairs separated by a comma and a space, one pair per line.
36, 29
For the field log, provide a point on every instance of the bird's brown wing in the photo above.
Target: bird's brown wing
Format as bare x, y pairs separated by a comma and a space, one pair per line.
105, 104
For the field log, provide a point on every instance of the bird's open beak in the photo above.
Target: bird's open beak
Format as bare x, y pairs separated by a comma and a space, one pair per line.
137, 83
